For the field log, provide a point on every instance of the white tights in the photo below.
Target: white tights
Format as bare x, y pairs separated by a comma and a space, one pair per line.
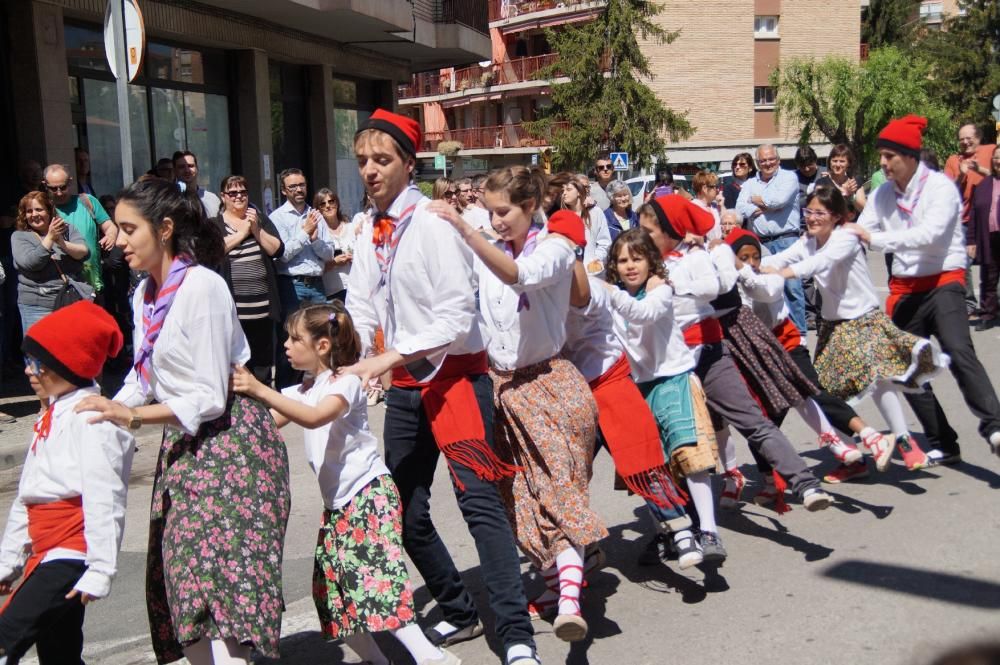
814, 417
217, 652
700, 486
410, 636
887, 400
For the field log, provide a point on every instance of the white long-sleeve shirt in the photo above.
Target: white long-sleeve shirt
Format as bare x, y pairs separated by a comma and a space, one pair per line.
598, 238
651, 334
430, 300
933, 241
75, 460
840, 270
538, 332
199, 343
591, 343
696, 284
764, 294
343, 453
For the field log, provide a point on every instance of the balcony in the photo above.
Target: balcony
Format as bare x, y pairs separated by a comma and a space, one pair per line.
498, 137
516, 15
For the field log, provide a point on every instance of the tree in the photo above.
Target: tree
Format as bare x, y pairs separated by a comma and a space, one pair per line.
964, 59
850, 103
614, 112
889, 22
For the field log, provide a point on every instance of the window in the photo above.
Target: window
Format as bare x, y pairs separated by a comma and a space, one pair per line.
763, 96
930, 12
765, 27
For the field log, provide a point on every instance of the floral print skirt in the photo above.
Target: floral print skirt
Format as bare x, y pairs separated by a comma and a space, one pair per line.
217, 524
360, 581
546, 421
851, 356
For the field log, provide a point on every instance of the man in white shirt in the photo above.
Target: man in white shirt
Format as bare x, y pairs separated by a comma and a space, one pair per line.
604, 173
470, 193
769, 202
916, 215
186, 171
308, 246
417, 284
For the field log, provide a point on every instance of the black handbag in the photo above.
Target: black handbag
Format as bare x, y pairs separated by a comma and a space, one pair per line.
69, 292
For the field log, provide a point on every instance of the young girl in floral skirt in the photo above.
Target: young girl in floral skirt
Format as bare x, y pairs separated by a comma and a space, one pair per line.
360, 582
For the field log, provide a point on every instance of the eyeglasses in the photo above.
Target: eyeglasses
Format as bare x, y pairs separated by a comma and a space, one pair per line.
711, 186
815, 214
451, 193
34, 365
236, 193
300, 185
58, 188
604, 167
327, 204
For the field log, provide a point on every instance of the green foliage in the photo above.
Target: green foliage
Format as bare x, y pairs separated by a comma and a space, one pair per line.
426, 187
964, 60
617, 111
851, 103
889, 22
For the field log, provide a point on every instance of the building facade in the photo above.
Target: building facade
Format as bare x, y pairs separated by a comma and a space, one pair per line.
250, 86
716, 70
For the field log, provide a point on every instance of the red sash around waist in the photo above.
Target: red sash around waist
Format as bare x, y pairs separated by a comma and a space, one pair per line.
788, 334
55, 525
706, 331
901, 286
449, 401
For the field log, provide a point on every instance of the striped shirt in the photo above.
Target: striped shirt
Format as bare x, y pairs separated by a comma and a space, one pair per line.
249, 277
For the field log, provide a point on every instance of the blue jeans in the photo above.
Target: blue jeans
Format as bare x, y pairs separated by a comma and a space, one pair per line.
31, 314
309, 294
795, 296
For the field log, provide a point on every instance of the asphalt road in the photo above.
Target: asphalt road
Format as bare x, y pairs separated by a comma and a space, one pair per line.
902, 566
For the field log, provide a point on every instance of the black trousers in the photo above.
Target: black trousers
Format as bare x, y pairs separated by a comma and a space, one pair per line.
941, 312
260, 336
989, 275
39, 615
412, 455
284, 374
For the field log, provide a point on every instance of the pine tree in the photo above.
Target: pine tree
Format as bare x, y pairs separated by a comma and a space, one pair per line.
965, 60
889, 22
609, 112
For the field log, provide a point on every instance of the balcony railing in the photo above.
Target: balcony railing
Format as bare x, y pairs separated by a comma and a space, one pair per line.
505, 9
470, 14
499, 136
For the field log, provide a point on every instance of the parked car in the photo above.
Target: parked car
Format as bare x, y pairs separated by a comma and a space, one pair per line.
642, 185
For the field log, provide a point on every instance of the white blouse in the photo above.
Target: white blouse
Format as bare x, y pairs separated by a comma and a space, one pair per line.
537, 332
199, 343
430, 301
77, 459
344, 453
765, 295
650, 334
343, 239
840, 270
591, 343
696, 284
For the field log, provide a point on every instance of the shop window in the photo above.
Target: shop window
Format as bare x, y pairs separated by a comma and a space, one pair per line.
85, 48
100, 99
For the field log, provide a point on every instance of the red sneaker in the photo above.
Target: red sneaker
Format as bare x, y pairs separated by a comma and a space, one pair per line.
846, 472
732, 489
846, 453
913, 456
881, 448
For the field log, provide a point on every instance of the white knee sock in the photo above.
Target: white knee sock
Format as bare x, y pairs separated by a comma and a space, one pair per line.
217, 652
814, 417
365, 646
727, 448
700, 486
569, 563
417, 643
891, 407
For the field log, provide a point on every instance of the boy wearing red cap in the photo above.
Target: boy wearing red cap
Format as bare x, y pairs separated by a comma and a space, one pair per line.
65, 526
916, 216
413, 276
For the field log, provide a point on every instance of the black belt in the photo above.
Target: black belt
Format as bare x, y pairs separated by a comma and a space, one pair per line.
779, 236
308, 280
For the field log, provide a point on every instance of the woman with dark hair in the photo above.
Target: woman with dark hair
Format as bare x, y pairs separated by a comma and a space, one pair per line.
343, 235
840, 174
743, 168
252, 243
859, 351
46, 250
220, 492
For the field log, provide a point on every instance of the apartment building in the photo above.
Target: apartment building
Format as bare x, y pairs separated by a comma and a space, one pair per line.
251, 86
716, 70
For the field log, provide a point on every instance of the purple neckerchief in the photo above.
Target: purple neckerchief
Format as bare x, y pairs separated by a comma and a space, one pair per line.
156, 303
530, 243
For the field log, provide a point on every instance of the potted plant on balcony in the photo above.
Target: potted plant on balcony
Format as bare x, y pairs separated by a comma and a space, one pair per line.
449, 148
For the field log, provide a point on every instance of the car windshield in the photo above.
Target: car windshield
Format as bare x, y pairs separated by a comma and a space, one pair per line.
635, 187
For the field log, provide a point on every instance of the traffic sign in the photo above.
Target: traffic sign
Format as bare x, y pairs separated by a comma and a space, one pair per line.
619, 160
440, 161
135, 38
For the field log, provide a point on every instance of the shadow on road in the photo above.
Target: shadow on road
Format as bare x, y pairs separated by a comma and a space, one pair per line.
945, 587
740, 522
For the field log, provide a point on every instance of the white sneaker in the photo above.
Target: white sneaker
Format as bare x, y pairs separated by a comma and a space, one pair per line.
448, 659
816, 499
688, 550
995, 443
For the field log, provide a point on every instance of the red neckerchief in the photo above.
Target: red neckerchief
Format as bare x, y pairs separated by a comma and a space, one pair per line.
42, 428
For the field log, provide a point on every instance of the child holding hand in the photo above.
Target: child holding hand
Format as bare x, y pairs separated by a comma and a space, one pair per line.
360, 582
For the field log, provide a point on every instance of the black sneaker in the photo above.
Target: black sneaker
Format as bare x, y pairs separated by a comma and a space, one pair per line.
446, 639
711, 548
656, 551
688, 550
938, 457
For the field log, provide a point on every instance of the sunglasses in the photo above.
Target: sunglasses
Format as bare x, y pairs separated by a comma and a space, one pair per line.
236, 193
741, 164
57, 188
604, 167
327, 204
450, 193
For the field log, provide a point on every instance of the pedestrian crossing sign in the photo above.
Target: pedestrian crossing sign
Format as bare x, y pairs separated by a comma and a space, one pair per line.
619, 160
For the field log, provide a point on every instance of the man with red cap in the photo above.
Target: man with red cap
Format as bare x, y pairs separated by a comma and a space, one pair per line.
916, 215
413, 275
65, 526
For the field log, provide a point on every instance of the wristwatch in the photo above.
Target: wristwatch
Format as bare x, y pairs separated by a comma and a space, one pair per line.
135, 420
579, 253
